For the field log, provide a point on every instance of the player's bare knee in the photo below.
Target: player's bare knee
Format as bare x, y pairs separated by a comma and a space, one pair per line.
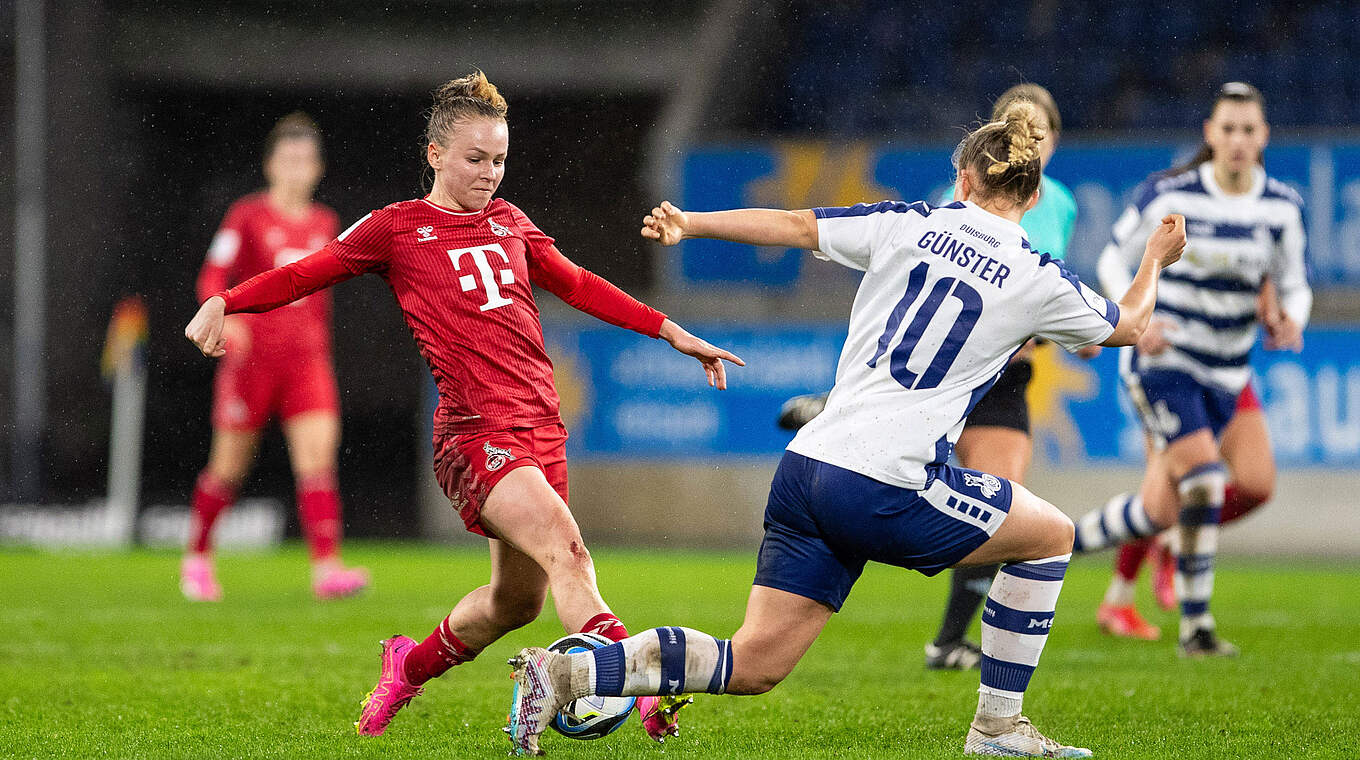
575, 558
1064, 533
1056, 532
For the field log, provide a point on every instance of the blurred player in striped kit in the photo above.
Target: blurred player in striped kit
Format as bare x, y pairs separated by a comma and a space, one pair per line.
1188, 376
462, 264
949, 294
279, 366
996, 438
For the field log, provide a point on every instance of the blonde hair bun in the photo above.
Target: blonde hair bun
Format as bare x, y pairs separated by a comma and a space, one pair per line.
1023, 135
474, 86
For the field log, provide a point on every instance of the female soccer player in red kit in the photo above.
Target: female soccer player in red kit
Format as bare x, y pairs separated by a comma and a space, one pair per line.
461, 265
279, 366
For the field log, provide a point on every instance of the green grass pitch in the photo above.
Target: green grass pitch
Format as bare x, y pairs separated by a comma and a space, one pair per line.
100, 657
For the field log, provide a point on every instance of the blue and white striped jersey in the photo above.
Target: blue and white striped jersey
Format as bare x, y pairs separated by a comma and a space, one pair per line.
1208, 298
949, 294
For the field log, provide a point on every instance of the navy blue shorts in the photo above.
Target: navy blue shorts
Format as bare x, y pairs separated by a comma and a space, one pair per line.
823, 523
1173, 404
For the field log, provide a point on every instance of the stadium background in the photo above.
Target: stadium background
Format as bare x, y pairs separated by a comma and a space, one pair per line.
155, 115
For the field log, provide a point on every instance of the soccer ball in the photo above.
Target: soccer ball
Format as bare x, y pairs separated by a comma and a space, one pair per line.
589, 717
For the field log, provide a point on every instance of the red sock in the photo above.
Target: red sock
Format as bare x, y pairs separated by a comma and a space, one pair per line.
211, 498
607, 626
1130, 558
1237, 504
434, 656
318, 499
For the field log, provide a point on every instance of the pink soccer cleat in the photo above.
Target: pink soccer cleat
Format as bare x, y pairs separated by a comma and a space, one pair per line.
1125, 623
393, 691
337, 582
658, 715
197, 580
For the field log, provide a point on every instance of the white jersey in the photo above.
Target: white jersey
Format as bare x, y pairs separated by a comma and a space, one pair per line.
949, 295
1208, 298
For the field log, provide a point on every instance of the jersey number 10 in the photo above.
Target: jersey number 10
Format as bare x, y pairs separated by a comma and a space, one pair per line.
948, 350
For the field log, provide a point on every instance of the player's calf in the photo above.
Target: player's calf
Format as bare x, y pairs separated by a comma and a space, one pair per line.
1123, 518
1201, 494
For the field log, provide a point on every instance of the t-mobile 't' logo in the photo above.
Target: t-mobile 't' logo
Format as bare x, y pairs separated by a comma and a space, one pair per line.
490, 280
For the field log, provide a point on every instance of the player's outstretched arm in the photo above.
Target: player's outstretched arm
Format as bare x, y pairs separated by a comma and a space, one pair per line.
669, 225
1163, 249
708, 354
268, 290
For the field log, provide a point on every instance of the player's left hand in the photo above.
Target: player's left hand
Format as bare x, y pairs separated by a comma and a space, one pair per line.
708, 354
666, 224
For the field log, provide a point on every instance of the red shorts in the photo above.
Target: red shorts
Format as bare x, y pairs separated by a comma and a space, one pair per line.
250, 390
1247, 400
468, 466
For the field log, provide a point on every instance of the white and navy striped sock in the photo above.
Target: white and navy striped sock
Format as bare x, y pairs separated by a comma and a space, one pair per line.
1015, 625
1121, 519
1201, 492
661, 661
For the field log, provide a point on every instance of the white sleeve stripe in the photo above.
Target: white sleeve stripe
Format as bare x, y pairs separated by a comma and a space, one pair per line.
352, 227
225, 245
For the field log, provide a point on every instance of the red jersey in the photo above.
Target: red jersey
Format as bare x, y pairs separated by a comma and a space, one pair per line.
256, 237
463, 281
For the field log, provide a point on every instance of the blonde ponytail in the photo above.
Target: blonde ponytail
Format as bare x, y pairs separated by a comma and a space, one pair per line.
1005, 152
1023, 133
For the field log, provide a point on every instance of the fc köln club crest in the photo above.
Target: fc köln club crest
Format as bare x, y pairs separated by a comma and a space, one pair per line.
496, 457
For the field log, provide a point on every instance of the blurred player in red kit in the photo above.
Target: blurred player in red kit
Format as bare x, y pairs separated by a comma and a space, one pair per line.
279, 366
461, 266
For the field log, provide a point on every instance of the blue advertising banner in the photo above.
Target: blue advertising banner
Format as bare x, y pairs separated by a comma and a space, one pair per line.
1101, 175
624, 396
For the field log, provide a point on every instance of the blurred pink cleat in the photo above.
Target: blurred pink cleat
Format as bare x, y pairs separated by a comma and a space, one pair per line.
393, 691
336, 581
197, 580
658, 715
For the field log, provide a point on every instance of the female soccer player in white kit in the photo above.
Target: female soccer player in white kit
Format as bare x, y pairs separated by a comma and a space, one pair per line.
948, 295
1186, 373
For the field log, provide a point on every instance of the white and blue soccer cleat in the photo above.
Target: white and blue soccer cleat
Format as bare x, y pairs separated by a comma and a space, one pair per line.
1014, 737
542, 682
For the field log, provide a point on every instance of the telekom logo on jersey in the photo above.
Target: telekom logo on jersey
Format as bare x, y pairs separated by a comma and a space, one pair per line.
479, 255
